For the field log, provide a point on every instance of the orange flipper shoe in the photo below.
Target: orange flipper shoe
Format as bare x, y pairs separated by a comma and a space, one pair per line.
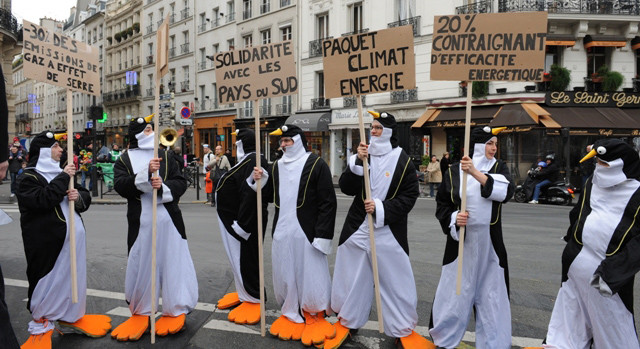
38, 341
317, 329
170, 324
287, 329
325, 327
92, 325
416, 341
132, 329
229, 300
246, 313
342, 333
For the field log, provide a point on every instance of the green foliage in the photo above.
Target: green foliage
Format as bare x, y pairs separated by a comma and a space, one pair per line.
479, 89
425, 160
130, 31
136, 27
118, 37
603, 70
612, 81
560, 78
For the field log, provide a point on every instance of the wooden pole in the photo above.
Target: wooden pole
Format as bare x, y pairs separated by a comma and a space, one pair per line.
256, 116
72, 207
463, 194
372, 239
154, 210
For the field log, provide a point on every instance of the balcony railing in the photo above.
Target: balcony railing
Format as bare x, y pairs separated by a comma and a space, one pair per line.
184, 48
231, 16
150, 29
265, 110
184, 13
160, 22
320, 103
202, 65
202, 27
264, 8
215, 23
184, 86
404, 96
246, 14
610, 7
10, 23
476, 7
283, 109
150, 92
414, 21
357, 31
315, 47
352, 102
172, 52
149, 59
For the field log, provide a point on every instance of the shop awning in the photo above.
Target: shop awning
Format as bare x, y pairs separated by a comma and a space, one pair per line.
560, 40
310, 122
586, 117
635, 43
524, 114
427, 116
454, 117
604, 41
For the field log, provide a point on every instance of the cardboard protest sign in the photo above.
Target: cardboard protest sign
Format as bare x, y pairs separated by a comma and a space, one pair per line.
60, 60
374, 62
256, 72
162, 48
489, 47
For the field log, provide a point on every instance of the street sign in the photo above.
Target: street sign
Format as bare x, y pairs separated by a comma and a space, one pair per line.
185, 112
89, 124
165, 105
165, 96
186, 122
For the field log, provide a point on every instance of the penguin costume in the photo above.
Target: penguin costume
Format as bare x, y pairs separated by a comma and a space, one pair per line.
305, 215
43, 198
238, 220
176, 275
599, 263
394, 190
485, 276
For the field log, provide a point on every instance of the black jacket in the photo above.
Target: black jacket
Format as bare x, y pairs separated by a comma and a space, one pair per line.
551, 172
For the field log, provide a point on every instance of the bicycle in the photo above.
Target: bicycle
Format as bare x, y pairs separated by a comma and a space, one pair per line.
191, 173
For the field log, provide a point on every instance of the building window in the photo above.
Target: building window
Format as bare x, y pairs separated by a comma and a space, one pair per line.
246, 9
356, 17
231, 12
265, 6
320, 84
407, 8
247, 40
322, 26
552, 56
266, 36
596, 58
285, 33
231, 44
284, 3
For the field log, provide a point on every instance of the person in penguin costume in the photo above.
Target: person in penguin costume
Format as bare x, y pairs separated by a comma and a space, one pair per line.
595, 301
238, 219
394, 191
305, 215
176, 275
43, 198
485, 276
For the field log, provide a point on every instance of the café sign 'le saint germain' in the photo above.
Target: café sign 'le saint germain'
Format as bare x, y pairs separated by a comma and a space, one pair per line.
593, 99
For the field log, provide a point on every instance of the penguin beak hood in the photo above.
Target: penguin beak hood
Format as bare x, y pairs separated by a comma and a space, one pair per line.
277, 132
590, 155
496, 130
60, 136
375, 115
234, 133
149, 118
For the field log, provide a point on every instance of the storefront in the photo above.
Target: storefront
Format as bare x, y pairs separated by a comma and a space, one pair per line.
316, 129
344, 137
213, 130
269, 145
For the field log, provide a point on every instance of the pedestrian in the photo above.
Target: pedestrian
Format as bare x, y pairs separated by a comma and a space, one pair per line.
15, 163
206, 158
435, 175
86, 166
445, 162
394, 191
594, 307
176, 279
176, 154
219, 164
547, 176
115, 153
43, 198
229, 156
305, 205
485, 277
238, 219
7, 336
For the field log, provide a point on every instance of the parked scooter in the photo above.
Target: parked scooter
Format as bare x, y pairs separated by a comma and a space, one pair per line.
558, 193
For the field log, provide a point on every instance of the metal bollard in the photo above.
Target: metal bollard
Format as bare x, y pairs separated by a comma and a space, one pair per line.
197, 181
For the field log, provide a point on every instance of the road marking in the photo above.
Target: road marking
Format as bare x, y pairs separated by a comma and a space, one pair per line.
223, 325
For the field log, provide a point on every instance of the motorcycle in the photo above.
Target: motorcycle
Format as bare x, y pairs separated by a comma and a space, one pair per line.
559, 193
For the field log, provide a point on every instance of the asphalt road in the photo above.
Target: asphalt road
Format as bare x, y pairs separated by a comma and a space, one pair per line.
532, 237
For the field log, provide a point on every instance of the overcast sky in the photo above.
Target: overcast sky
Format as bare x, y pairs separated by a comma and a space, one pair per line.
33, 10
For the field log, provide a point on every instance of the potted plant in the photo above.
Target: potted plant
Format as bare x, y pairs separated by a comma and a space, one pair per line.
124, 34
479, 89
130, 31
110, 39
560, 78
598, 76
118, 37
612, 81
136, 27
546, 76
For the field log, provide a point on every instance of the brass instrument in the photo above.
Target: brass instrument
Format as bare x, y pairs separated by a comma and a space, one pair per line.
168, 137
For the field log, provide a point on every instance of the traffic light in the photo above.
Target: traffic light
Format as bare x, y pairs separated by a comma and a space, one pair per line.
104, 117
95, 112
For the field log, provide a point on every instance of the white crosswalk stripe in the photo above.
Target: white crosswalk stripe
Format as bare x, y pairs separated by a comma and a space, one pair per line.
10, 208
224, 325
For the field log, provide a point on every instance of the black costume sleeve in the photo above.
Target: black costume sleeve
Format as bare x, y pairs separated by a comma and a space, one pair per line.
573, 218
402, 202
619, 269
84, 201
326, 203
173, 178
445, 206
350, 183
247, 218
487, 189
34, 196
125, 180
